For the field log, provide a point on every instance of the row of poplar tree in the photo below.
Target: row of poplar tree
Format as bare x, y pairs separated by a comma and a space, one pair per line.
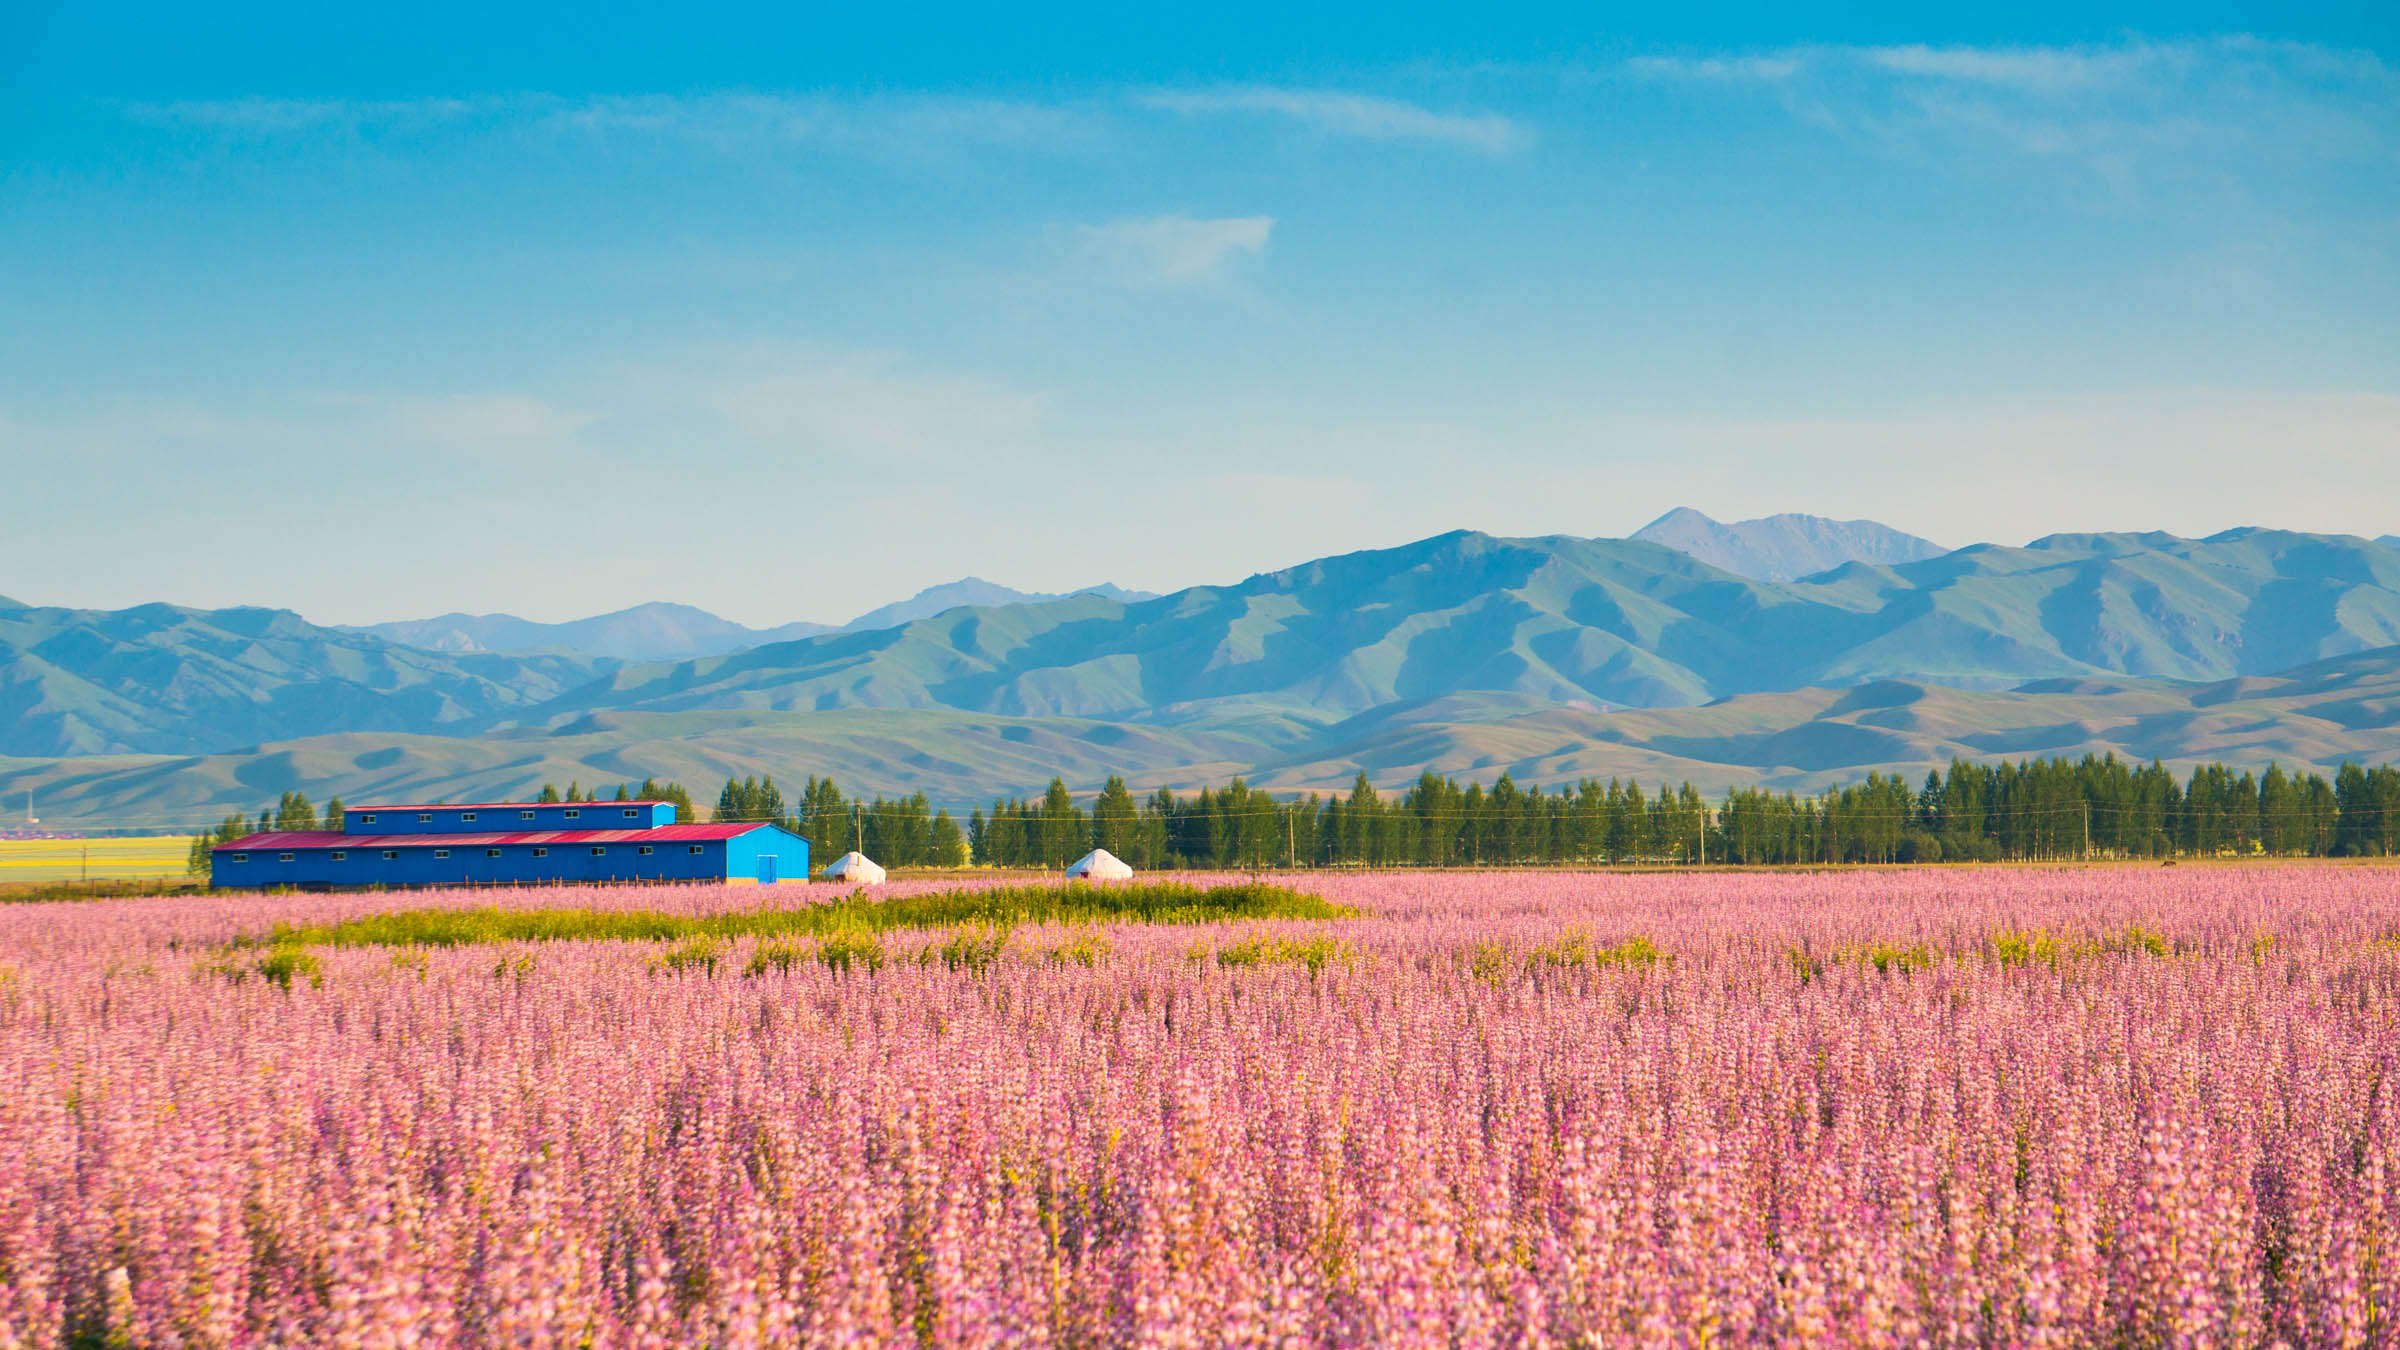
2099, 806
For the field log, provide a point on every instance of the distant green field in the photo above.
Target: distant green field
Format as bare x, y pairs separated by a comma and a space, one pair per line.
70, 859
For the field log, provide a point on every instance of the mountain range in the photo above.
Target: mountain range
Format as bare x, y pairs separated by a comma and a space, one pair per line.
661, 631
1601, 622
2317, 714
1463, 649
1784, 547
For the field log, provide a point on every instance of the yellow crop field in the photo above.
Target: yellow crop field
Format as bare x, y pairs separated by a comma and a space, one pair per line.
68, 859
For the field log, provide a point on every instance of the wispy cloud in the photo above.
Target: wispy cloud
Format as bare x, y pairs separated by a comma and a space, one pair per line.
298, 116
1764, 69
726, 118
750, 117
1364, 116
2114, 107
1173, 250
2055, 69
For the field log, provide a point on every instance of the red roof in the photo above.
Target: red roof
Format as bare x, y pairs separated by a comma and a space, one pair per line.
489, 806
669, 834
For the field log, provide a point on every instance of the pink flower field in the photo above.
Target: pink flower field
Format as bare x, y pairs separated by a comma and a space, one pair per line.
1941, 1107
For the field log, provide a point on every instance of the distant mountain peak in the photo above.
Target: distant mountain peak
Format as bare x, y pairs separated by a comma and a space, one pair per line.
1784, 547
975, 591
665, 630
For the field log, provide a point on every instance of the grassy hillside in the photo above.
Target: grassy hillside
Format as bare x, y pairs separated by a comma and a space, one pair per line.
2317, 714
1613, 623
1606, 624
165, 679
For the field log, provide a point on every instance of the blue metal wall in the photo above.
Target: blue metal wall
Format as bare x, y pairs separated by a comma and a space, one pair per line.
735, 860
517, 816
745, 853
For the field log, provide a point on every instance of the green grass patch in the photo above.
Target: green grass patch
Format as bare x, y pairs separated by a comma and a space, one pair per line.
1316, 953
850, 923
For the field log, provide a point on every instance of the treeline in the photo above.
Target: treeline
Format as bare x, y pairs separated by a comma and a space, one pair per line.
651, 790
291, 811
2099, 806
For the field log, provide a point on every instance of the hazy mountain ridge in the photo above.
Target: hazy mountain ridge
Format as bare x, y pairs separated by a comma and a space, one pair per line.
664, 631
1560, 619
166, 679
1784, 547
1803, 739
658, 631
1556, 620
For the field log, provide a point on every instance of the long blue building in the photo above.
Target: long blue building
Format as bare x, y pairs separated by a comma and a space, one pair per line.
512, 844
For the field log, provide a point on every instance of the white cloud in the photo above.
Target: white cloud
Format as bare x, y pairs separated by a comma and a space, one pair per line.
1364, 116
284, 117
2039, 68
2108, 105
724, 118
1763, 69
1173, 250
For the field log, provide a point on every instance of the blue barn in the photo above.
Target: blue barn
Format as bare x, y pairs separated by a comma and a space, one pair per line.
513, 844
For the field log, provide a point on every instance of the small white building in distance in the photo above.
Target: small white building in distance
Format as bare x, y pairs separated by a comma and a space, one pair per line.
1099, 865
853, 866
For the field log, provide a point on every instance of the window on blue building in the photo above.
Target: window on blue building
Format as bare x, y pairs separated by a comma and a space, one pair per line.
599, 850
425, 817
524, 815
391, 855
491, 853
465, 816
241, 857
574, 815
541, 853
696, 848
367, 819
340, 856
645, 850
631, 814
283, 857
441, 853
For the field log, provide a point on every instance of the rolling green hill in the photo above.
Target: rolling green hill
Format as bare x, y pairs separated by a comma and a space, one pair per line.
163, 679
2318, 714
1612, 623
1593, 623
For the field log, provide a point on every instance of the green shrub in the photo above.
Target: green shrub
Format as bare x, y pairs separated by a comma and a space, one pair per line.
859, 947
1633, 951
1086, 947
973, 949
779, 957
1887, 957
1315, 953
696, 955
999, 907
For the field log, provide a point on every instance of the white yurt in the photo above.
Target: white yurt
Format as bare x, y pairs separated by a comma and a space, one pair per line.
853, 866
1099, 865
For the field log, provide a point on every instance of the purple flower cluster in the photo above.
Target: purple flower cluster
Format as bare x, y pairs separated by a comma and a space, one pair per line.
1967, 1107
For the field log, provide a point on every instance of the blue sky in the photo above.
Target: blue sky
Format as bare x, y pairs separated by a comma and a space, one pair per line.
785, 314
